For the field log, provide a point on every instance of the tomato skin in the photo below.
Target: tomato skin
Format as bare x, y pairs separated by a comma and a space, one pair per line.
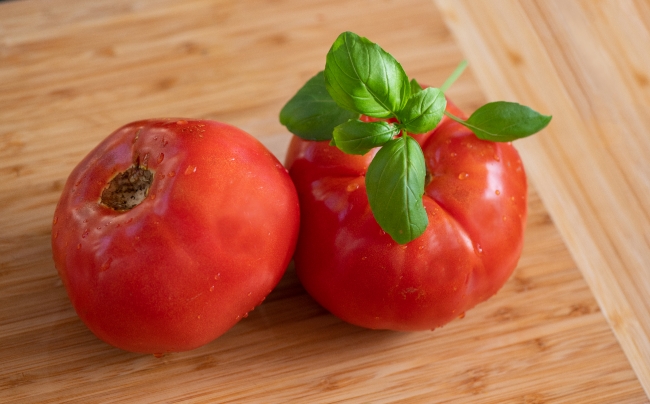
476, 205
201, 250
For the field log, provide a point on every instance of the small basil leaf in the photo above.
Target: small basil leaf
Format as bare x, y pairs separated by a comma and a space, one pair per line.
423, 111
503, 121
312, 114
364, 78
415, 87
395, 185
357, 137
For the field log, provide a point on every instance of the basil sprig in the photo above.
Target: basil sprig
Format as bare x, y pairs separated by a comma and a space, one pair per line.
360, 78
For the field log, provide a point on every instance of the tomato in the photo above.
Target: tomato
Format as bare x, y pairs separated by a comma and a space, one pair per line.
171, 231
475, 200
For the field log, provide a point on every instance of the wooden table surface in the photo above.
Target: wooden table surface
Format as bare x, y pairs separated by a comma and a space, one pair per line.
571, 325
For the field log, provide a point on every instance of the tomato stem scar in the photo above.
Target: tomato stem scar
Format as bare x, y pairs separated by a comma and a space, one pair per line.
127, 189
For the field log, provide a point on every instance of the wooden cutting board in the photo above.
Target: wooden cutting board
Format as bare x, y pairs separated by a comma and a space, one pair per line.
592, 60
73, 71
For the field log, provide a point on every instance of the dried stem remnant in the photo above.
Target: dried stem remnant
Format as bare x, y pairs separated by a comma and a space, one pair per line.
127, 189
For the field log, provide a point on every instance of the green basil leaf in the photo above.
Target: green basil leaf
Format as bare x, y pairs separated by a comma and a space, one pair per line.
363, 78
312, 114
503, 121
395, 185
415, 87
357, 137
423, 111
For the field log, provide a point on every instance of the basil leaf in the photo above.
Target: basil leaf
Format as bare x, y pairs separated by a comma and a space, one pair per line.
395, 185
312, 114
423, 111
357, 137
415, 87
503, 121
363, 78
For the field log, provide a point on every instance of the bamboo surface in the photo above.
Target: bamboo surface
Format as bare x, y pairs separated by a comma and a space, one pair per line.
592, 59
73, 71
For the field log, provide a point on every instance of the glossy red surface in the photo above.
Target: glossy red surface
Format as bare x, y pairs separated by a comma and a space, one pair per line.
476, 206
211, 239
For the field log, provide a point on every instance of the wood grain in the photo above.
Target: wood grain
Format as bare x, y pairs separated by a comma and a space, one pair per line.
588, 64
73, 71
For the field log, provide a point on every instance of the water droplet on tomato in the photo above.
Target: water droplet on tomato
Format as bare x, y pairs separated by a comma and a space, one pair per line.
250, 293
212, 288
106, 265
171, 174
56, 235
352, 187
152, 196
505, 218
497, 158
56, 219
85, 234
497, 192
158, 355
479, 249
181, 122
217, 276
462, 315
462, 176
453, 154
421, 247
79, 246
161, 157
245, 315
190, 170
364, 258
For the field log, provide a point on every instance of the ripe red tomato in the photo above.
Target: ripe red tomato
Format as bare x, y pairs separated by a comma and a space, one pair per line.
475, 199
170, 231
